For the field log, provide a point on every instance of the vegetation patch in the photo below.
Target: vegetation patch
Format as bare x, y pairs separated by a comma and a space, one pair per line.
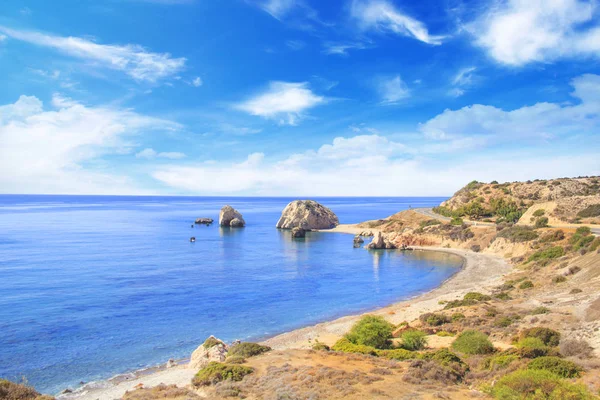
346, 346
235, 360
539, 213
211, 342
320, 346
428, 371
499, 361
541, 222
429, 222
526, 285
443, 356
216, 372
398, 354
547, 254
518, 234
548, 336
590, 211
247, 349
537, 385
532, 348
540, 310
18, 391
473, 342
559, 279
469, 299
434, 319
414, 340
371, 331
553, 236
556, 365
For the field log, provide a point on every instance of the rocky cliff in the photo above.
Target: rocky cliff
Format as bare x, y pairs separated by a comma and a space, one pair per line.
307, 214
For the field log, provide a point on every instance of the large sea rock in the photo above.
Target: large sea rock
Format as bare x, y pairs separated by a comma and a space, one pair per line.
307, 214
229, 216
380, 242
212, 349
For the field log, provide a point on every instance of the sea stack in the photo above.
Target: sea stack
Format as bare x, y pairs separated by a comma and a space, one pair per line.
380, 242
231, 217
307, 214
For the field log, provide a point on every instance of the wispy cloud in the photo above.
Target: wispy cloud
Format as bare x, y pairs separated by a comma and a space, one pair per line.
384, 16
295, 44
134, 60
284, 101
392, 90
149, 153
277, 8
197, 82
463, 79
517, 32
341, 48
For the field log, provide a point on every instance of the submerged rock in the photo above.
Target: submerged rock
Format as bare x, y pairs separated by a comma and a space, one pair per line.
204, 221
380, 242
212, 349
358, 241
298, 233
192, 239
307, 214
228, 215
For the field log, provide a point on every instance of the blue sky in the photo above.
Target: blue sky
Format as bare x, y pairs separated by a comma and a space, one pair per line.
295, 97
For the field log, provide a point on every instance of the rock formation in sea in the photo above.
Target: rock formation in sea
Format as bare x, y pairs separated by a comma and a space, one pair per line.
298, 232
307, 214
358, 241
212, 349
204, 221
229, 216
380, 242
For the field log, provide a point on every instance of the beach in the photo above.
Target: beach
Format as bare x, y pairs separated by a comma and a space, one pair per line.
480, 272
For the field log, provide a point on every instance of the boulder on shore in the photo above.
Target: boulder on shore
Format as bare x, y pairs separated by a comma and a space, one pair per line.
307, 214
212, 349
228, 215
204, 221
298, 233
380, 242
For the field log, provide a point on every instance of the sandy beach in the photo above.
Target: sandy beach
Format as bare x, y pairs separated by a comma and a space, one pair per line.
480, 272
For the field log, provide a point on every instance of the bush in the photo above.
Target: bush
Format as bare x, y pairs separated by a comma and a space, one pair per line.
541, 222
553, 236
211, 342
547, 254
429, 222
346, 346
537, 385
398, 354
457, 317
576, 348
235, 360
526, 285
503, 296
518, 234
503, 322
539, 213
499, 361
556, 365
456, 221
414, 340
532, 348
247, 349
590, 211
583, 231
216, 372
559, 279
443, 356
540, 310
421, 372
434, 319
575, 291
320, 346
476, 296
548, 336
473, 342
371, 331
595, 244
476, 248
19, 391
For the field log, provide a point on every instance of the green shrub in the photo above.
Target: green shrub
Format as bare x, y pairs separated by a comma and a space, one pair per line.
443, 356
320, 346
19, 391
503, 296
434, 319
556, 365
445, 334
398, 354
211, 342
541, 222
476, 296
548, 336
583, 231
414, 340
559, 279
547, 254
575, 291
590, 211
346, 346
499, 361
539, 213
371, 331
518, 234
429, 222
473, 342
526, 285
456, 221
595, 244
540, 310
537, 385
216, 372
503, 322
247, 349
582, 241
553, 236
235, 360
457, 317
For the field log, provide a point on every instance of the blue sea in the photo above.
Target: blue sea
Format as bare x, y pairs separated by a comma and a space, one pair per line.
94, 286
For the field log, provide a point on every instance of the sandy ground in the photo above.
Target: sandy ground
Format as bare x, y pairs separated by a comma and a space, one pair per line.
480, 273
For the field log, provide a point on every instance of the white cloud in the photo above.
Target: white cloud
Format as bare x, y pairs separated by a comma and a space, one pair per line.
60, 151
295, 44
2, 37
197, 82
517, 32
134, 60
392, 90
341, 48
284, 101
277, 8
463, 79
382, 15
149, 153
541, 120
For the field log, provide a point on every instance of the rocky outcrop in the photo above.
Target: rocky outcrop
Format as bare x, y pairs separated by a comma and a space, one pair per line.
358, 241
366, 233
212, 349
380, 242
228, 215
307, 214
298, 233
204, 221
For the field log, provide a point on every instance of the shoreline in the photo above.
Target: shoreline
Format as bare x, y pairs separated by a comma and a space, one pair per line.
479, 271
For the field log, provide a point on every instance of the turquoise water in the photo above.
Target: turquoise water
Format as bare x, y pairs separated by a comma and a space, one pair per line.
93, 286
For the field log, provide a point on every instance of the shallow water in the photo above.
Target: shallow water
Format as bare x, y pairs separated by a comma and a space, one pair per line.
94, 286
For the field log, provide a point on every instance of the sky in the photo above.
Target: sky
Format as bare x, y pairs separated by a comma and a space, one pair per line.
295, 97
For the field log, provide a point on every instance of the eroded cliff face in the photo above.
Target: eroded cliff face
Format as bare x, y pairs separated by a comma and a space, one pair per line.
307, 214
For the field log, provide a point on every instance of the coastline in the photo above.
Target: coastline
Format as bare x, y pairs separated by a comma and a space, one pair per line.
479, 271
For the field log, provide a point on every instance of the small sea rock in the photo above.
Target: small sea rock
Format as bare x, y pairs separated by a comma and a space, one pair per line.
298, 233
204, 221
236, 223
358, 241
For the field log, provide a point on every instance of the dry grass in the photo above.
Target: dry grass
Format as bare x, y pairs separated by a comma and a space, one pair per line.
161, 392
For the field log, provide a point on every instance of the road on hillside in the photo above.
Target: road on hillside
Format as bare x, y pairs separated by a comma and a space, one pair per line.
431, 214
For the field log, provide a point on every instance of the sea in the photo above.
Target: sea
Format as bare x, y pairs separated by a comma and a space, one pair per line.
95, 286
